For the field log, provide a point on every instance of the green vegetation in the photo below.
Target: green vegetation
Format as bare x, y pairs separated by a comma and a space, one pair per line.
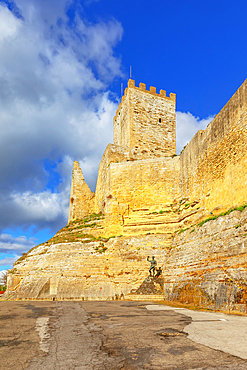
192, 231
88, 225
241, 208
73, 237
182, 230
71, 233
183, 148
13, 271
84, 221
101, 248
23, 256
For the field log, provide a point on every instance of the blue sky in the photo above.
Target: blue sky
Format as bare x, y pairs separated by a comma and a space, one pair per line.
62, 64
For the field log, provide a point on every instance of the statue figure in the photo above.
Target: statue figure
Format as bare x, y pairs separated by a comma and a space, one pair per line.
158, 272
153, 266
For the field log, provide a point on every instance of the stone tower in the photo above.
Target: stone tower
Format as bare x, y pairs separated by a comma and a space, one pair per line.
145, 122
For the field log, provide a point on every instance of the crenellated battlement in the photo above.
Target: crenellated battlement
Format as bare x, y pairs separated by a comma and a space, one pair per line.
142, 87
152, 90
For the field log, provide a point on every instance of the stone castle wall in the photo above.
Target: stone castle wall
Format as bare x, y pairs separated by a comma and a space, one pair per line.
138, 187
213, 166
212, 170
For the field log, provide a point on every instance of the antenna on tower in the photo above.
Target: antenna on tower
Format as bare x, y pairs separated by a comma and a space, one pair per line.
130, 71
121, 89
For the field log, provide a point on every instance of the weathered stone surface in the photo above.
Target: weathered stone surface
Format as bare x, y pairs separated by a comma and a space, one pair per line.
213, 166
145, 122
208, 266
82, 200
202, 266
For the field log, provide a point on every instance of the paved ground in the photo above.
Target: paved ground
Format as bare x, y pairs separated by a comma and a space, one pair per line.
118, 335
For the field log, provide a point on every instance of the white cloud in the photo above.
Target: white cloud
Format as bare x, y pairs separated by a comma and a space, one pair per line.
11, 244
3, 272
19, 239
54, 104
8, 261
187, 127
9, 25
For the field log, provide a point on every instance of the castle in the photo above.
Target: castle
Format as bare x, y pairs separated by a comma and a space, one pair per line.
189, 210
140, 173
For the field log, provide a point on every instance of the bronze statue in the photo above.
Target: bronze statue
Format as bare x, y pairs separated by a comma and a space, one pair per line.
153, 266
158, 272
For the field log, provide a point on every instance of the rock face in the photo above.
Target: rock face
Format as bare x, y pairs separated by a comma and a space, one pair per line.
204, 266
80, 195
208, 265
148, 201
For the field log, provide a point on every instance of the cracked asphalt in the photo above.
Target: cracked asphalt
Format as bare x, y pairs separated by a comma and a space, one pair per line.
75, 335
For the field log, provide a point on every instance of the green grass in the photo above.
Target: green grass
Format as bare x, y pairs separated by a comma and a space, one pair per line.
24, 255
89, 218
101, 248
183, 230
241, 208
12, 271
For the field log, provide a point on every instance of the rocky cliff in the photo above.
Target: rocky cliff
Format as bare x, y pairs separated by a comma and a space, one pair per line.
204, 266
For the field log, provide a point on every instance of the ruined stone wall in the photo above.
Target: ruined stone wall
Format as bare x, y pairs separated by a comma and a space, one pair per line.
82, 200
214, 163
145, 122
